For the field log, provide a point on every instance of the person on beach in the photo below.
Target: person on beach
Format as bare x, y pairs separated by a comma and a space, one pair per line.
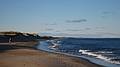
10, 40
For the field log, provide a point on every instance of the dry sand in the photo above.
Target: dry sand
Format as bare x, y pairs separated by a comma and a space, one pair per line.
36, 58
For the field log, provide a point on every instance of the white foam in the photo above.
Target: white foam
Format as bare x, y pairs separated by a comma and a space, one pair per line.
99, 56
105, 52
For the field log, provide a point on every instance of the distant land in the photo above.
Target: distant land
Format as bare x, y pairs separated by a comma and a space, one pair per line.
14, 36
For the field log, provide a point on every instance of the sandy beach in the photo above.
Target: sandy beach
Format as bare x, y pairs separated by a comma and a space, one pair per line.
28, 57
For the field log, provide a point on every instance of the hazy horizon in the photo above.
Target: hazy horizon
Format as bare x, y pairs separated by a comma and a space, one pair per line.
75, 18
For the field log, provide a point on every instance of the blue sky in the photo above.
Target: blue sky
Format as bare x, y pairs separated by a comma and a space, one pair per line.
81, 18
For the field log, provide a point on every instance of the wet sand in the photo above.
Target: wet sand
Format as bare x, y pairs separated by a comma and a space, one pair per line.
28, 57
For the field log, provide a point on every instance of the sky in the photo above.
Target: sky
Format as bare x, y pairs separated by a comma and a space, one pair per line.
75, 18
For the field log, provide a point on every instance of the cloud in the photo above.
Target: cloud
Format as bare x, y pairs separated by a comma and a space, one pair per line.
49, 29
74, 35
57, 31
109, 33
98, 34
87, 28
76, 21
51, 24
100, 27
73, 30
7, 28
45, 34
106, 14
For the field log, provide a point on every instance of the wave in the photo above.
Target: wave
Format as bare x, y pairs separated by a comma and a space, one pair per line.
53, 44
101, 55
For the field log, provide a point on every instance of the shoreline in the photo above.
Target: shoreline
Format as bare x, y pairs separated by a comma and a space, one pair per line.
30, 57
73, 56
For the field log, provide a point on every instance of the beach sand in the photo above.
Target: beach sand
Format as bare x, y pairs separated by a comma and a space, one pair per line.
28, 57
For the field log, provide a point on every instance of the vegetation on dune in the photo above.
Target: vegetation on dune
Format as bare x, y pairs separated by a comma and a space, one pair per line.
22, 37
18, 36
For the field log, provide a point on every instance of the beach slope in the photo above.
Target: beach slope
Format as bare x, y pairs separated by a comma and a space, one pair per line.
36, 58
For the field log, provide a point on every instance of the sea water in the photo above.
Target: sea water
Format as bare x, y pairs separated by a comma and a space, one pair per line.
103, 51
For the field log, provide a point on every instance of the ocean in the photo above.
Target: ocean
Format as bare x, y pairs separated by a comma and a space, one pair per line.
102, 51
